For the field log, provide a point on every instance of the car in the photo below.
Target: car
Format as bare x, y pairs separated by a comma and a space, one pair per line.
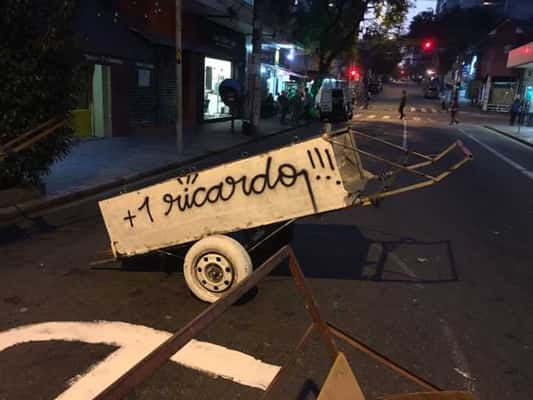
431, 93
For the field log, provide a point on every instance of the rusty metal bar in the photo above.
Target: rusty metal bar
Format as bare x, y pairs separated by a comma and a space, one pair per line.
288, 364
144, 368
38, 137
395, 146
271, 234
311, 306
384, 160
13, 141
382, 359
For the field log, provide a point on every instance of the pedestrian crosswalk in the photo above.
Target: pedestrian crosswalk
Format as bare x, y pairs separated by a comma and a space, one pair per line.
388, 117
420, 109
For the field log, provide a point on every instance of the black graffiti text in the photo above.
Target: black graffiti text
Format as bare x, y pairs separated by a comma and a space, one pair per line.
287, 175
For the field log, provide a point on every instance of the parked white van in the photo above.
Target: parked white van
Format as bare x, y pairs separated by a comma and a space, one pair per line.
334, 100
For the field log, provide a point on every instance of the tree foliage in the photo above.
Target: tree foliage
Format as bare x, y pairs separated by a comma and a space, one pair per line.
455, 32
379, 53
333, 26
40, 68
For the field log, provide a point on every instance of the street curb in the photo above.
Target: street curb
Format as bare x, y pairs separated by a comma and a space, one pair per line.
11, 213
509, 135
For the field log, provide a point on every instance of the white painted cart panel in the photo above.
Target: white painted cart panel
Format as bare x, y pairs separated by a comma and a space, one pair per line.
309, 177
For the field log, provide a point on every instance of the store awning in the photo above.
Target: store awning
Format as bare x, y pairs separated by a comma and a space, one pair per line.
287, 71
521, 57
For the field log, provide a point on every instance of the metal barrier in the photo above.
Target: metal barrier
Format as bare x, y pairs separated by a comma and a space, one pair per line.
340, 383
29, 138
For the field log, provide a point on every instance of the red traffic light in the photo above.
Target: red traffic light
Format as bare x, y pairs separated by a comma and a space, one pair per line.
353, 73
427, 45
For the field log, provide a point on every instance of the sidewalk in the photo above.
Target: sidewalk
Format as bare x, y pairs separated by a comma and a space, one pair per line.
525, 135
96, 162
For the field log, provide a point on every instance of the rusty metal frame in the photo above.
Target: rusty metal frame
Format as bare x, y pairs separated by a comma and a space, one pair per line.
144, 368
412, 169
30, 137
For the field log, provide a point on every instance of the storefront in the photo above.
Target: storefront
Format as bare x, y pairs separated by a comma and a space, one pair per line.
277, 72
212, 54
521, 59
215, 71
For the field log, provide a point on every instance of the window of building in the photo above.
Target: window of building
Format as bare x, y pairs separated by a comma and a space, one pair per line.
214, 73
143, 78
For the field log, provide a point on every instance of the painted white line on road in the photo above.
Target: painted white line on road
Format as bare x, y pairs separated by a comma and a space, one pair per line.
404, 140
357, 116
386, 117
459, 358
502, 157
413, 109
434, 110
135, 342
372, 116
416, 118
423, 110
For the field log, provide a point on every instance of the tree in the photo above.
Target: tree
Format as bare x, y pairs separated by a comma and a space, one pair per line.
332, 27
40, 69
456, 32
379, 53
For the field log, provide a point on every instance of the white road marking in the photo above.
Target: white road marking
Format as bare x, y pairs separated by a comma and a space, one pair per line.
413, 109
386, 117
505, 159
372, 116
135, 342
416, 118
357, 116
462, 367
434, 110
423, 110
404, 140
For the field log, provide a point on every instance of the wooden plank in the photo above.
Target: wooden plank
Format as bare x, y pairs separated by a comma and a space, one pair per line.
294, 181
341, 383
445, 395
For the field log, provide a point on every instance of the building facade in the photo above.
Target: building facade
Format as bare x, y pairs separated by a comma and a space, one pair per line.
520, 59
131, 46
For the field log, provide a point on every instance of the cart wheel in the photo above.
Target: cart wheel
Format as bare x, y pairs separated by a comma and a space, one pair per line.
214, 265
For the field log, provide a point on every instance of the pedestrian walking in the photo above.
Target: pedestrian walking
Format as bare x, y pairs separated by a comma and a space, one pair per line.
454, 110
283, 102
297, 104
367, 99
515, 110
308, 104
403, 100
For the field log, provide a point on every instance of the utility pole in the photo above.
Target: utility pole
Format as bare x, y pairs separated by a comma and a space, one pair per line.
254, 77
179, 81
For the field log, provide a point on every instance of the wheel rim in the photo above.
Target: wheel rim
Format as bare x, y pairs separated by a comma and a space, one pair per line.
214, 272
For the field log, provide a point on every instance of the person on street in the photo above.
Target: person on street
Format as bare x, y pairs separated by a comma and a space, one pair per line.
515, 110
367, 99
308, 103
283, 102
297, 104
403, 100
454, 110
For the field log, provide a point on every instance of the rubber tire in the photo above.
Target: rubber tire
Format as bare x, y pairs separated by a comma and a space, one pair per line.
224, 245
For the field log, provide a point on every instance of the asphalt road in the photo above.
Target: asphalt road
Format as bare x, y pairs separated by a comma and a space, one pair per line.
439, 280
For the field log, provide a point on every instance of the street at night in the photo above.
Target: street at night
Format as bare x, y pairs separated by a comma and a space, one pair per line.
197, 119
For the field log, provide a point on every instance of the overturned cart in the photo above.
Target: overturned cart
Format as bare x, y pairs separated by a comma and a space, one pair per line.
314, 176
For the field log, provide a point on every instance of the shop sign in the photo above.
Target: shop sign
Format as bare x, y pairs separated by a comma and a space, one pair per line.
224, 42
103, 60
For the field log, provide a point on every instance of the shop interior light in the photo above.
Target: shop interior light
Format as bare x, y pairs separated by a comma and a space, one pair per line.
263, 70
290, 55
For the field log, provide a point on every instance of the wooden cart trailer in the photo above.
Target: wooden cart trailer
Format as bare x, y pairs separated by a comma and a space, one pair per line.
313, 176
